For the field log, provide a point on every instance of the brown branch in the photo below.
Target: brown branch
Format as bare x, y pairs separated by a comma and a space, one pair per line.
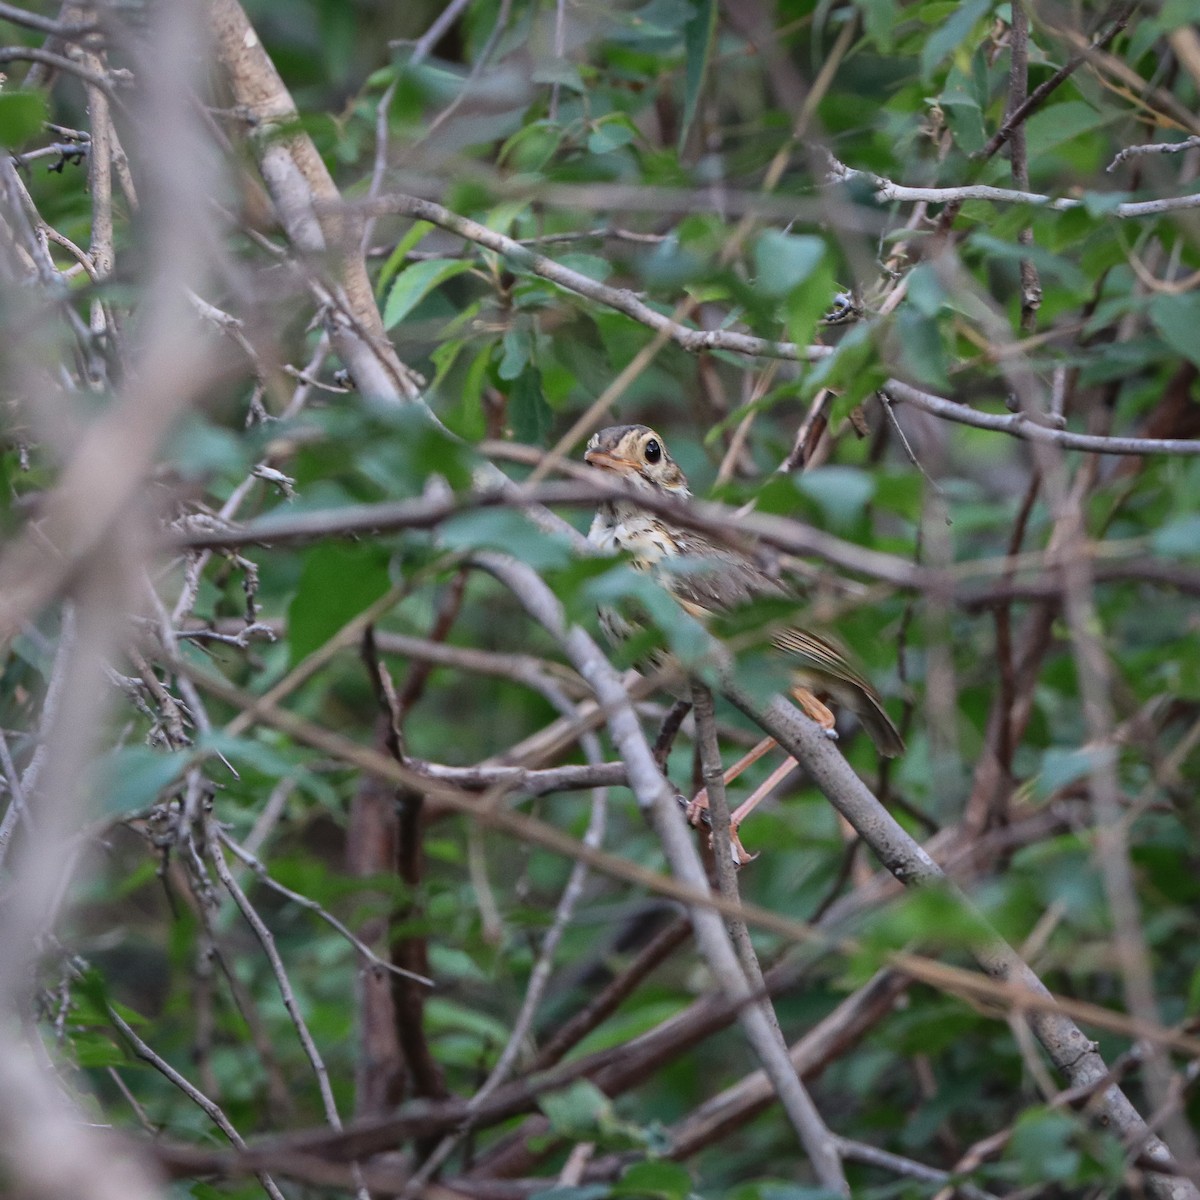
797, 1104
1018, 88
307, 202
606, 1001
1016, 117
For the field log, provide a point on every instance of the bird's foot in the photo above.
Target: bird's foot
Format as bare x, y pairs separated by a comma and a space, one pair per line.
697, 813
696, 810
741, 856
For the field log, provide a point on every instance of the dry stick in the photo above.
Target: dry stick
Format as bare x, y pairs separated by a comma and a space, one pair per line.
525, 669
263, 876
1155, 105
101, 250
95, 79
1095, 688
400, 850
992, 780
196, 563
621, 1068
729, 1110
814, 1134
67, 30
298, 181
1017, 117
267, 940
907, 1168
526, 781
1069, 1049
25, 785
1189, 143
620, 299
1021, 425
847, 1024
605, 1002
539, 977
1035, 98
610, 1069
1018, 88
477, 68
211, 1109
656, 798
887, 190
723, 523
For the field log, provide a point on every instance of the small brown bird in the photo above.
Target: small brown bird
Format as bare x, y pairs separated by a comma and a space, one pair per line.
639, 456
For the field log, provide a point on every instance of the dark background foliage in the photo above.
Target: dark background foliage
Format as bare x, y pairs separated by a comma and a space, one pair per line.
932, 365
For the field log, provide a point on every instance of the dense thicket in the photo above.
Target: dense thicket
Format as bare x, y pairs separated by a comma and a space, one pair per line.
334, 855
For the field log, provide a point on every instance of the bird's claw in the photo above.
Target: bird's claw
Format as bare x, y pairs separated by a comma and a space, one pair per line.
697, 813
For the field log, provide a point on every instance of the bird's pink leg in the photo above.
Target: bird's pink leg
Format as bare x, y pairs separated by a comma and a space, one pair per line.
699, 805
697, 810
816, 710
767, 786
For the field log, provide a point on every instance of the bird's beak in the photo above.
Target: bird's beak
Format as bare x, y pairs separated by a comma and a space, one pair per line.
610, 462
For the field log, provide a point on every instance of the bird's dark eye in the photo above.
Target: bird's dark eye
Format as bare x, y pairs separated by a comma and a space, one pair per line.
653, 451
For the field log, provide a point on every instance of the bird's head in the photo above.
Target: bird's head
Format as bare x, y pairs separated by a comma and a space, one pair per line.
638, 454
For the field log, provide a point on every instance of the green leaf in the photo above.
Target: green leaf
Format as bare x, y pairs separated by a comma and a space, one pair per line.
132, 778
1178, 538
248, 754
22, 115
414, 283
531, 148
527, 408
445, 1015
699, 34
507, 530
94, 1049
611, 134
591, 265
1051, 265
852, 369
879, 19
586, 1191
842, 492
951, 35
1061, 767
655, 1179
337, 583
1041, 1146
963, 111
1060, 123
921, 349
925, 291
518, 347
197, 449
395, 260
1177, 318
560, 71
576, 1109
783, 261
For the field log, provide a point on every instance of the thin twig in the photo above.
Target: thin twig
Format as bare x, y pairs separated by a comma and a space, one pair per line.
815, 1136
211, 1109
264, 877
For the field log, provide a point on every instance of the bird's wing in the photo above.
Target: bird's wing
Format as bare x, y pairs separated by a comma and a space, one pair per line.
818, 655
708, 578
